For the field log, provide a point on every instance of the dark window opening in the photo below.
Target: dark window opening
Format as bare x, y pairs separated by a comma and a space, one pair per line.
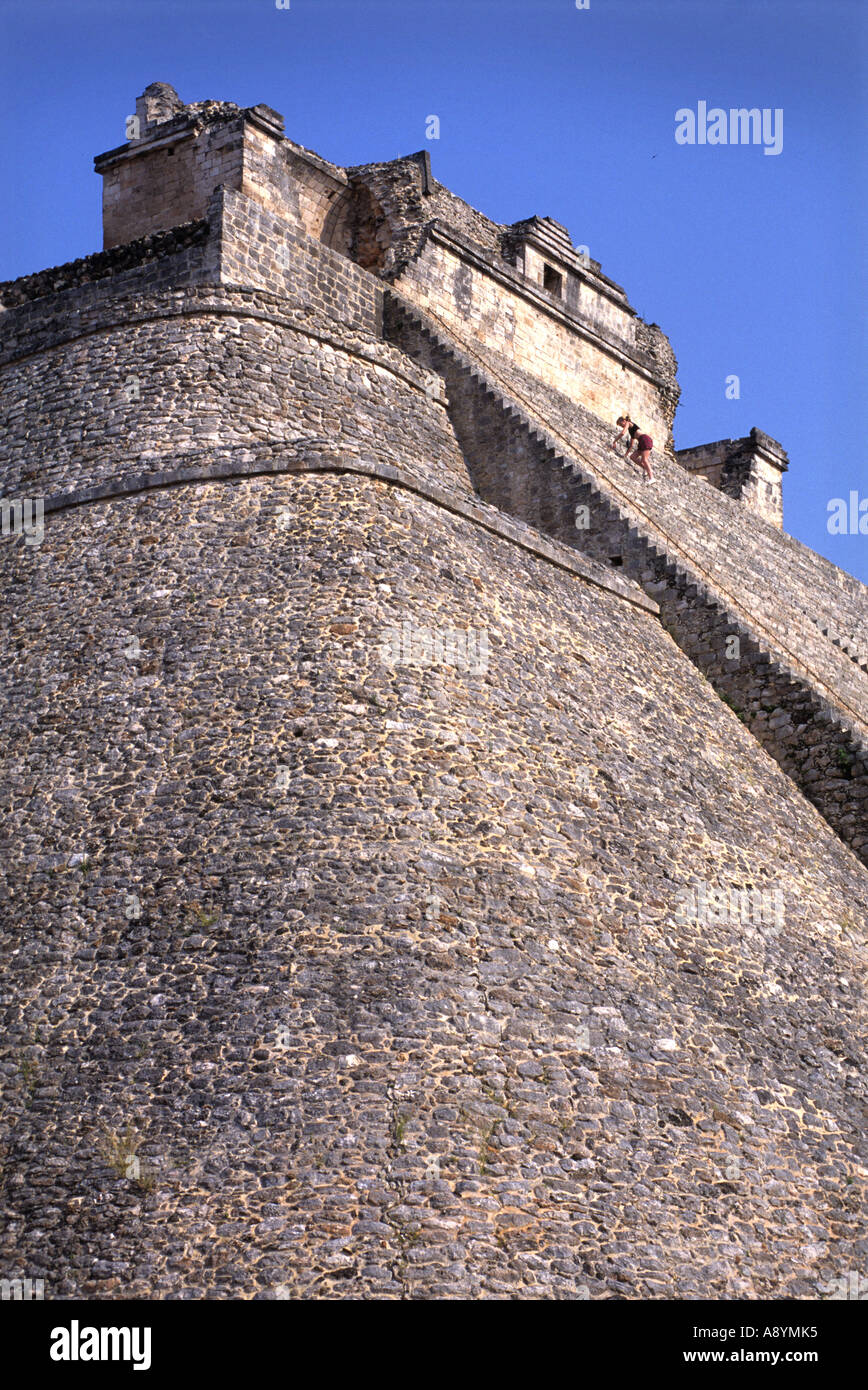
170, 151
552, 281
616, 560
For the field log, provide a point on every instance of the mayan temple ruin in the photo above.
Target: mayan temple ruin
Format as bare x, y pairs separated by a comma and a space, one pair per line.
435, 857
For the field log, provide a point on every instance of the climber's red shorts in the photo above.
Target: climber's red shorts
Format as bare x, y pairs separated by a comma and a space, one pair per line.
644, 441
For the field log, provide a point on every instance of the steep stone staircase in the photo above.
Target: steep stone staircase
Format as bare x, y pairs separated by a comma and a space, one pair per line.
536, 455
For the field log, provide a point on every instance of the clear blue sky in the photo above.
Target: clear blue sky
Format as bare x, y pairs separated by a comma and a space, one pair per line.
753, 264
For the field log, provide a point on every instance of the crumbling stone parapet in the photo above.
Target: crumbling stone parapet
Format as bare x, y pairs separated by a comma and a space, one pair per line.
750, 470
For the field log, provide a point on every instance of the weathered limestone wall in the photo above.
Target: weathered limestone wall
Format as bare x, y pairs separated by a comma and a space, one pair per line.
156, 190
706, 460
317, 186
239, 242
169, 174
260, 247
378, 971
114, 385
186, 255
148, 189
598, 357
749, 469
